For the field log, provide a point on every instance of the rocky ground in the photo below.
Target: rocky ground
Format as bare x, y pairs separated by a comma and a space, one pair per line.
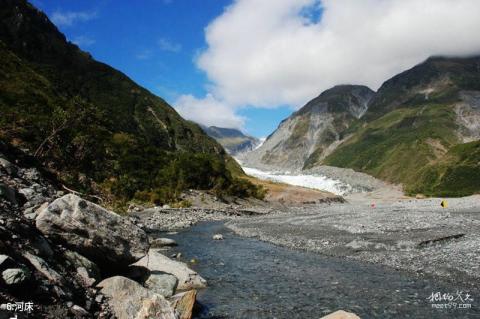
414, 235
62, 256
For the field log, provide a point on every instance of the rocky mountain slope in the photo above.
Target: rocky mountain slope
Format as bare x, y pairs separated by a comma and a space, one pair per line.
91, 125
421, 129
309, 134
415, 127
233, 140
62, 256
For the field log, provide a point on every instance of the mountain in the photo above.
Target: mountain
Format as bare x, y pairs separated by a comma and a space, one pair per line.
233, 140
92, 126
420, 129
416, 127
310, 133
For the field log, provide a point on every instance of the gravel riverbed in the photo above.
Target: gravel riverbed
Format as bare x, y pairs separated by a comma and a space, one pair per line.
413, 235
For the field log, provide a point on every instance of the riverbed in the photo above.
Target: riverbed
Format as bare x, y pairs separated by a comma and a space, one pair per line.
249, 278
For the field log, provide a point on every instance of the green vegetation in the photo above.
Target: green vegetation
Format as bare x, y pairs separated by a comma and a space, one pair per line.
410, 134
398, 145
93, 127
456, 174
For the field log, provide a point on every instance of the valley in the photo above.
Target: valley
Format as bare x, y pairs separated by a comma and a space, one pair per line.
117, 204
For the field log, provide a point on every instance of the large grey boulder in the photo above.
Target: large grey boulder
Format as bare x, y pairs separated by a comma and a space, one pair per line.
107, 239
161, 283
187, 278
128, 299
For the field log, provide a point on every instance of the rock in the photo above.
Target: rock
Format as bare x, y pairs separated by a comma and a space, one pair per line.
187, 278
162, 284
15, 276
86, 269
218, 237
31, 215
162, 242
79, 311
99, 298
7, 262
183, 303
43, 267
8, 167
340, 314
128, 299
102, 236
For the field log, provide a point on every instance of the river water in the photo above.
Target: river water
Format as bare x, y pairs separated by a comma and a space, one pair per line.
251, 279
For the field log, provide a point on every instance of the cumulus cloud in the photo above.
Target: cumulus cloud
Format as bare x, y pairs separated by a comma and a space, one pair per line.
208, 111
68, 18
285, 52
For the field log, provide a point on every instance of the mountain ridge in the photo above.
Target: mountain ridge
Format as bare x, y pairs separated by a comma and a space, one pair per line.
233, 140
91, 124
308, 131
412, 123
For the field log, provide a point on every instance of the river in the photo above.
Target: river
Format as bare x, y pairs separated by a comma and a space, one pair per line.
249, 278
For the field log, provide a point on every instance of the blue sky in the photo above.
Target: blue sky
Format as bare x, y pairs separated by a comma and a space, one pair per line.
250, 63
155, 43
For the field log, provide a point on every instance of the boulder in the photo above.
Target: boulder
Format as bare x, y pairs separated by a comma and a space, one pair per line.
107, 239
162, 242
86, 269
183, 303
218, 237
15, 276
340, 314
162, 284
187, 278
128, 299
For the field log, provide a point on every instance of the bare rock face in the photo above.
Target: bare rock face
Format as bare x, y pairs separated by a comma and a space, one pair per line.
128, 299
187, 278
105, 238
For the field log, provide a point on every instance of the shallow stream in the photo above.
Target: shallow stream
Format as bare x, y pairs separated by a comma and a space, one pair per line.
251, 279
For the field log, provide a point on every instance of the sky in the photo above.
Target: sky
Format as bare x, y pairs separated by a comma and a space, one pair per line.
249, 64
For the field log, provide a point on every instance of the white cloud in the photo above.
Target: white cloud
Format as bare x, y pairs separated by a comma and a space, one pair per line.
166, 45
67, 19
208, 111
267, 53
83, 41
